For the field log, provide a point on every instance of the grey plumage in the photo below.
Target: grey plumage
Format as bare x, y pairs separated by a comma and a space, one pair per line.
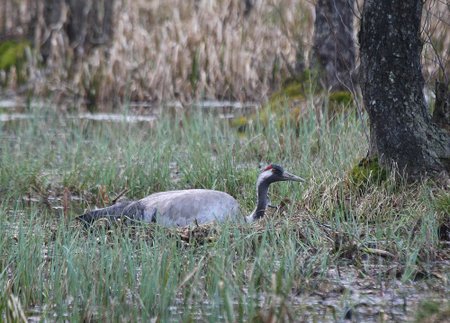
185, 207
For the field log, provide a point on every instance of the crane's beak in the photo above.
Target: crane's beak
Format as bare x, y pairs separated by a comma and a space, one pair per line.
291, 177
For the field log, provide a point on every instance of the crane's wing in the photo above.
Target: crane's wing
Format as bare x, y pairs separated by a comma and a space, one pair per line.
182, 208
126, 211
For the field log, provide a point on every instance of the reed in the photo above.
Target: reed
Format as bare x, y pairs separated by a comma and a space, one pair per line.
189, 50
328, 237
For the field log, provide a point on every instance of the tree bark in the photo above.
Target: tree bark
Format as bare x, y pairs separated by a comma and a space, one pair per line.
402, 131
88, 23
441, 114
52, 15
76, 26
333, 43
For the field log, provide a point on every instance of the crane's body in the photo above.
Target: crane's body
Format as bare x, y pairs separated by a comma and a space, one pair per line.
181, 208
194, 206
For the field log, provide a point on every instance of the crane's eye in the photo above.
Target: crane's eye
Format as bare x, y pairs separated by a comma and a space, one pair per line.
277, 169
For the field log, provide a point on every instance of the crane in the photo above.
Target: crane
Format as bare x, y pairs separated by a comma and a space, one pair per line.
185, 207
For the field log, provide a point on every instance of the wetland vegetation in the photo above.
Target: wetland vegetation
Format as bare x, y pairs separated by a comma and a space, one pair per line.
355, 242
345, 244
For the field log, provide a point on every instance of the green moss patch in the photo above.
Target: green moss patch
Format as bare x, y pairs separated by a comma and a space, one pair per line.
292, 91
339, 102
367, 172
240, 123
289, 97
341, 97
12, 53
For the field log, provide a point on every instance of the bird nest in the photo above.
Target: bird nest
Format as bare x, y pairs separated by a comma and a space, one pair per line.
199, 234
207, 233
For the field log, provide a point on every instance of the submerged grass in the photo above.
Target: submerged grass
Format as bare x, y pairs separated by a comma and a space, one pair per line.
325, 237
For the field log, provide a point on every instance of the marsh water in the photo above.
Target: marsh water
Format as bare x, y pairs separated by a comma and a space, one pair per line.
342, 293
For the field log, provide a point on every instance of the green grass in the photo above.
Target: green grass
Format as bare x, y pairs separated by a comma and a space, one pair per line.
235, 272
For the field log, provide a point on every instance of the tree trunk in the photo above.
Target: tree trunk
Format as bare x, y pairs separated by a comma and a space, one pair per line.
401, 128
76, 26
333, 43
441, 114
100, 22
52, 16
88, 23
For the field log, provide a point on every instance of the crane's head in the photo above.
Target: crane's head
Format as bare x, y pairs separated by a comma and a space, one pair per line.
275, 173
270, 174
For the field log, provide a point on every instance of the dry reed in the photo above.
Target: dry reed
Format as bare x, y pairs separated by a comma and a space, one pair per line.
188, 50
